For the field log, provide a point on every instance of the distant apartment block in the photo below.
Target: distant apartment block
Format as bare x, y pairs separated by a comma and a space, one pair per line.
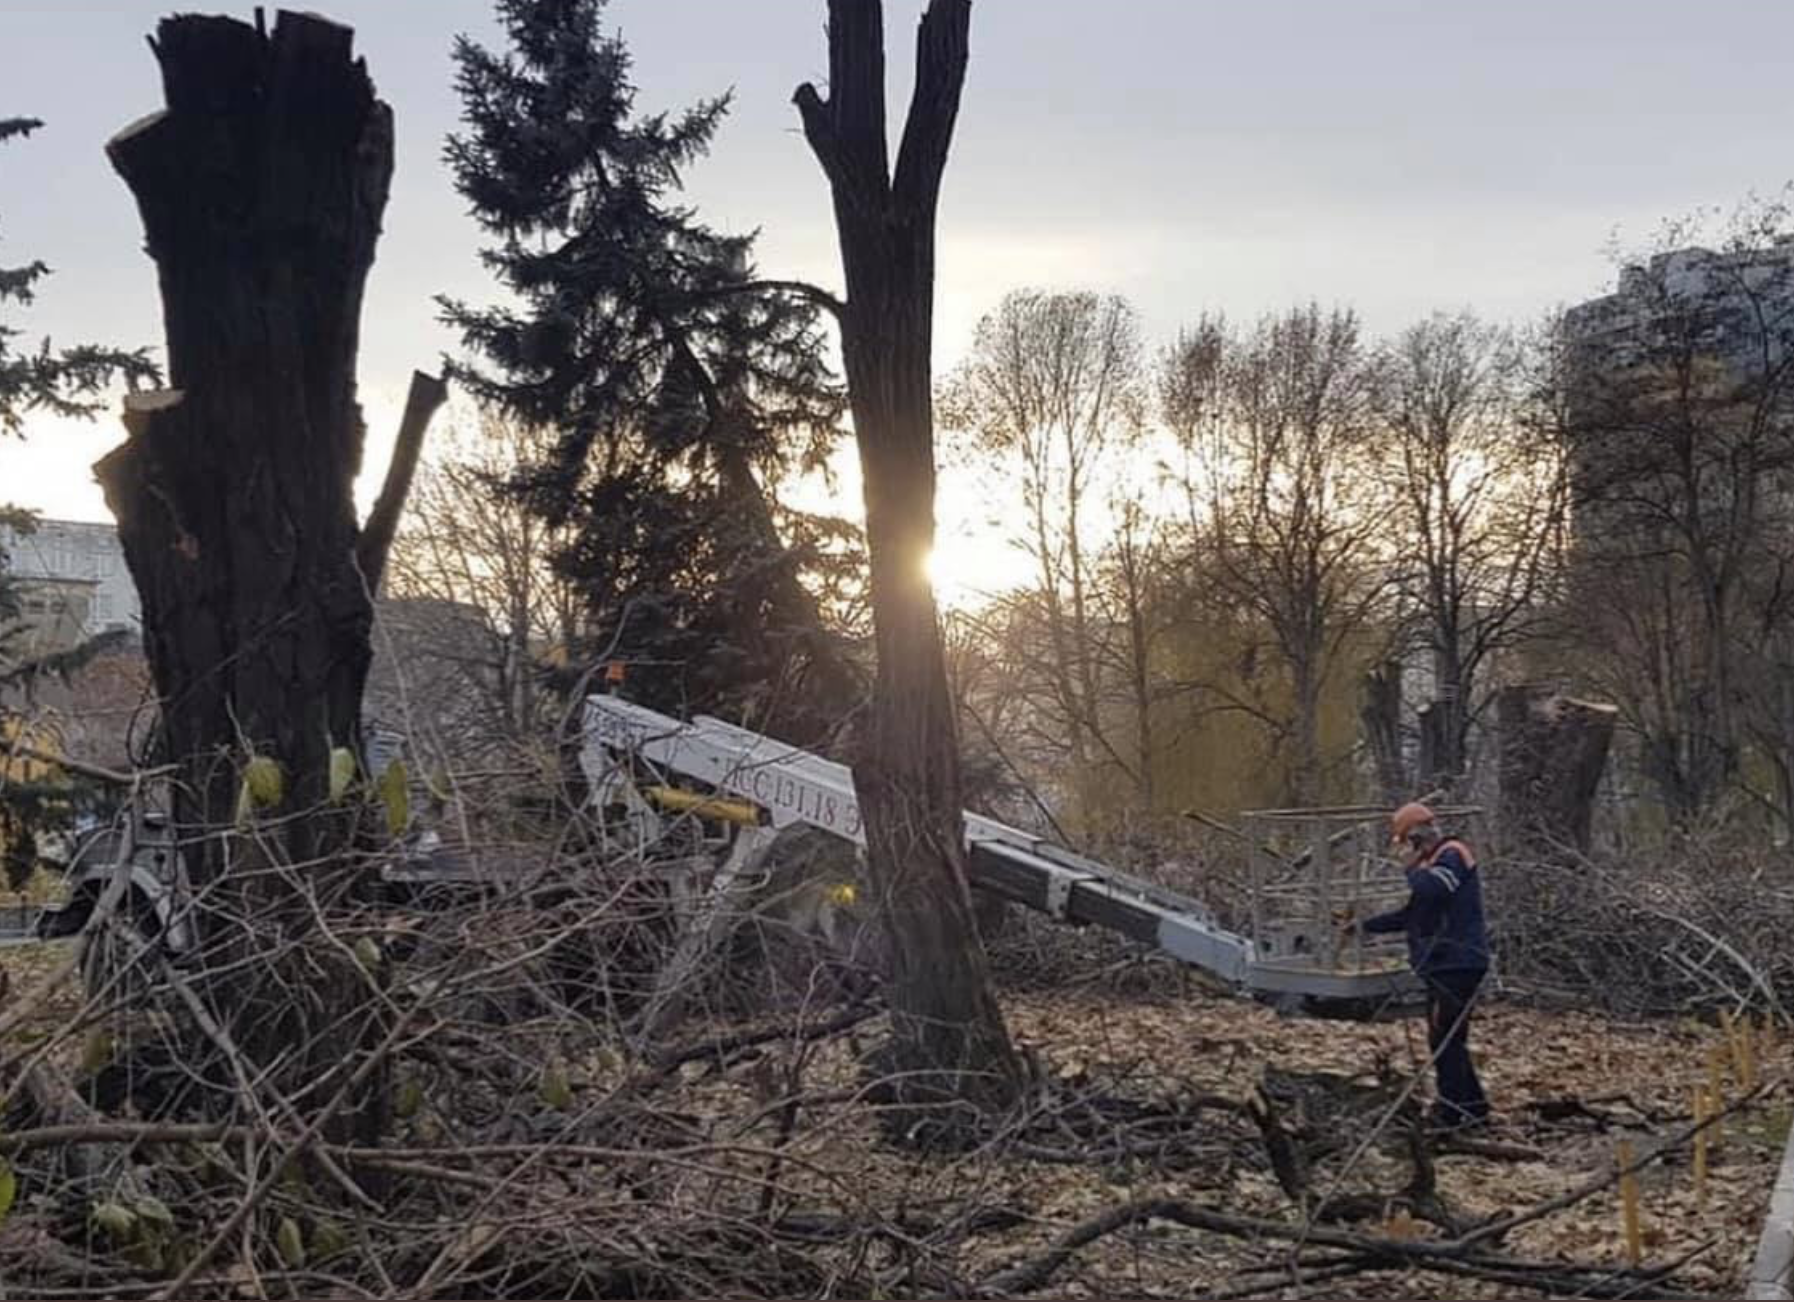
73, 582
1692, 341
1731, 304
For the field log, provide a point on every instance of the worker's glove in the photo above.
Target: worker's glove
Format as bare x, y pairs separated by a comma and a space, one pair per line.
1346, 921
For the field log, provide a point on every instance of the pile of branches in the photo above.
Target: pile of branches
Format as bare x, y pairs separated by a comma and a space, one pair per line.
1699, 927
538, 1136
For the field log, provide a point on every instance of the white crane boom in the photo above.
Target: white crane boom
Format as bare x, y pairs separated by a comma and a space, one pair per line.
792, 787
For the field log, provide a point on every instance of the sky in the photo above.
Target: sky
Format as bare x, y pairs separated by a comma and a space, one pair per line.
1400, 156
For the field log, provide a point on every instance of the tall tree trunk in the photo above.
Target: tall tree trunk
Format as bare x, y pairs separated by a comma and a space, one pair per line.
261, 189
1064, 682
948, 1036
1140, 681
1080, 613
1448, 722
1305, 766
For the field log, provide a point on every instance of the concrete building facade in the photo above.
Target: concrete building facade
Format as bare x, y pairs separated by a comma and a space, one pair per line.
73, 581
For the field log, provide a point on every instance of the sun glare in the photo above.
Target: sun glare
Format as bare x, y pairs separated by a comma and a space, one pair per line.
966, 573
948, 580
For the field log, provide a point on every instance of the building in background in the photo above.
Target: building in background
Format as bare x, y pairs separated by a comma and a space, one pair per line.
73, 583
1692, 345
1678, 405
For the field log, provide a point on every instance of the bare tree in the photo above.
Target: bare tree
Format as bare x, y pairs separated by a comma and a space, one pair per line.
947, 1031
1478, 510
1133, 593
1276, 429
1055, 383
472, 599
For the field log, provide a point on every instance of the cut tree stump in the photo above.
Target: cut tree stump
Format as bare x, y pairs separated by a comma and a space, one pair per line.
261, 186
1553, 753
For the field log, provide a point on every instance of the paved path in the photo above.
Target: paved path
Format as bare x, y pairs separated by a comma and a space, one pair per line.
1769, 1276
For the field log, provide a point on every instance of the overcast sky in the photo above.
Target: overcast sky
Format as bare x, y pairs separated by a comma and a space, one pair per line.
1398, 155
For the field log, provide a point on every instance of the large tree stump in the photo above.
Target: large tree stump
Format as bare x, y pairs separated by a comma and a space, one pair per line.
1553, 753
261, 188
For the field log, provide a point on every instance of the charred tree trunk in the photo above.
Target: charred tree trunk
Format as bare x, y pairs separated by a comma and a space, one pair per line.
948, 1037
261, 188
1553, 752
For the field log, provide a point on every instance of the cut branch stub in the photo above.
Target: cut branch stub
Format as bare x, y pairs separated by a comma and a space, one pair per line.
425, 398
1553, 754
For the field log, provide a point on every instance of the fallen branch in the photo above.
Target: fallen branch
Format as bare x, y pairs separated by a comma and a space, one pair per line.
1493, 1149
724, 1045
1495, 1229
119, 1133
1453, 1256
117, 777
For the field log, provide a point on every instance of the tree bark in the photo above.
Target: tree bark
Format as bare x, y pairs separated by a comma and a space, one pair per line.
1380, 713
1445, 723
948, 1037
1553, 753
261, 188
1140, 683
1305, 765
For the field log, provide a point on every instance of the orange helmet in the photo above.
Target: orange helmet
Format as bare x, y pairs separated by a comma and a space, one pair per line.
1407, 818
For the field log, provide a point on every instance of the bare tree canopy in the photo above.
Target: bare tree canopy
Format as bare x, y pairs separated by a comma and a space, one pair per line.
1055, 385
1478, 513
1280, 475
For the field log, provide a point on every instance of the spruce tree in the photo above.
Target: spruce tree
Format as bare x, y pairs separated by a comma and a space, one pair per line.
65, 381
62, 382
678, 384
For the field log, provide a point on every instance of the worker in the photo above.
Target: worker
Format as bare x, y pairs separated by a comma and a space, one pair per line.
1448, 947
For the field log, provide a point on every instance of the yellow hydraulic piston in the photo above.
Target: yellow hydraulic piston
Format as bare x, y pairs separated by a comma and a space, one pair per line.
720, 808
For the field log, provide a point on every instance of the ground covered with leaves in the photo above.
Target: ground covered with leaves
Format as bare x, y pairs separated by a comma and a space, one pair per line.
1176, 1142
1567, 1088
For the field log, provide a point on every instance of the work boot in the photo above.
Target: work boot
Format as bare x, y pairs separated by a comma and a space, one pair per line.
1447, 1119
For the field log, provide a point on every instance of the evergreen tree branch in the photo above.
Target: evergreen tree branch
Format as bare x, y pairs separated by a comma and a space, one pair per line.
799, 289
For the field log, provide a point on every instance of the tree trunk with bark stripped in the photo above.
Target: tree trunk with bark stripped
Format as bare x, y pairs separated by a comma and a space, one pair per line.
949, 1043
